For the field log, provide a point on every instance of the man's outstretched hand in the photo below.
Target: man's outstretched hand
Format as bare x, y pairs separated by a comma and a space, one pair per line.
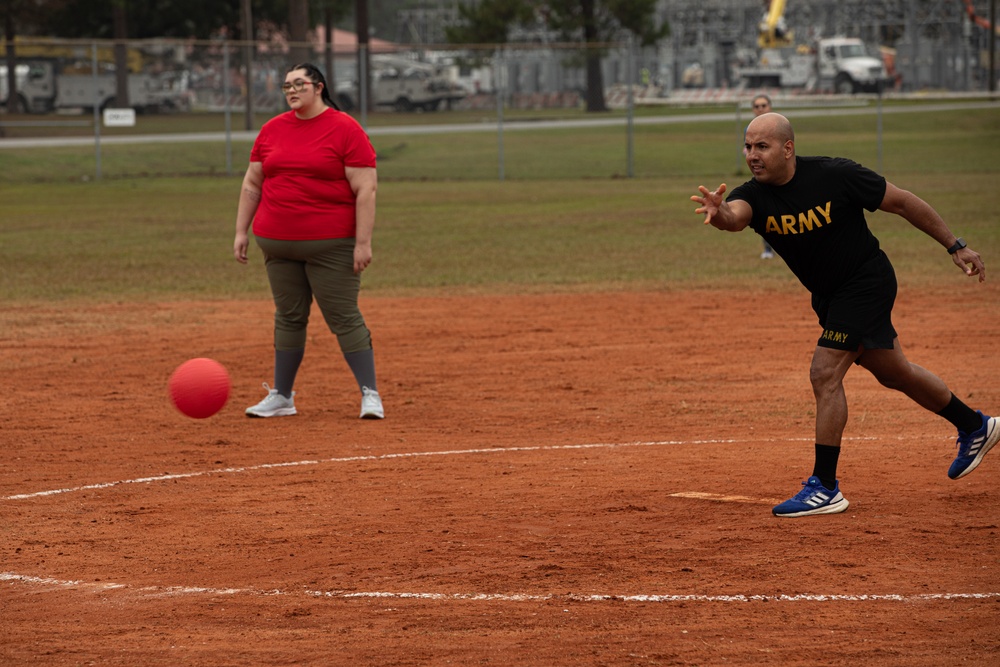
710, 201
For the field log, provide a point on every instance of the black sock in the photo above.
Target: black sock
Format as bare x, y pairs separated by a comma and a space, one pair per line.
826, 465
286, 367
362, 364
962, 416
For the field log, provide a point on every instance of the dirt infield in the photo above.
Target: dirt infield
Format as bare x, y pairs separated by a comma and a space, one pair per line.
578, 479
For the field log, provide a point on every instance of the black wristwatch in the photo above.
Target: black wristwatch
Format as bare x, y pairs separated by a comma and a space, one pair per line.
959, 244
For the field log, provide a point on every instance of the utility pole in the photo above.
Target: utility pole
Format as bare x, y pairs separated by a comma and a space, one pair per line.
13, 101
120, 27
364, 55
993, 46
246, 30
298, 26
331, 78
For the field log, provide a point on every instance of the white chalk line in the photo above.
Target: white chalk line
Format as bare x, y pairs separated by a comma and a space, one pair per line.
166, 591
379, 457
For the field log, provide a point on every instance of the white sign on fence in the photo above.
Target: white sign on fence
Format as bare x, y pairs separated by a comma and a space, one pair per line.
119, 118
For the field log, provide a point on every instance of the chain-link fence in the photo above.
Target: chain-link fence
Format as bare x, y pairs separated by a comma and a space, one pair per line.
169, 75
711, 52
196, 92
65, 90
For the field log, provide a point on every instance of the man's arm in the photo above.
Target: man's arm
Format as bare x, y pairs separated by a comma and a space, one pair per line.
729, 216
922, 215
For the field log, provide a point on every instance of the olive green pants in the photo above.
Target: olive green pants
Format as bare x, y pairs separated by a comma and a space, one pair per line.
298, 271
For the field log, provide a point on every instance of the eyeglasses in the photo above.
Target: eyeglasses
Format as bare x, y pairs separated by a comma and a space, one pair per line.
298, 86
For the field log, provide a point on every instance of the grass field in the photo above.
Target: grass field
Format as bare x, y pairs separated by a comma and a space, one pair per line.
564, 219
939, 142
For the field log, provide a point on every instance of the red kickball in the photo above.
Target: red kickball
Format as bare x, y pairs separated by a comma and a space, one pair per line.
199, 387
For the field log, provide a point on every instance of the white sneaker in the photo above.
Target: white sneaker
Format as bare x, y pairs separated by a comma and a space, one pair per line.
767, 254
371, 404
273, 405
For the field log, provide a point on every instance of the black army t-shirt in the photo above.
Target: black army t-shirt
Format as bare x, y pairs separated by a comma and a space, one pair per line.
816, 221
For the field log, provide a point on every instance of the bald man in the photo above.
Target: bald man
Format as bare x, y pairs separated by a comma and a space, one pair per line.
811, 211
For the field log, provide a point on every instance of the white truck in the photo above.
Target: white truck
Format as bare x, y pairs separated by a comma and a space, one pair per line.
836, 64
43, 87
403, 84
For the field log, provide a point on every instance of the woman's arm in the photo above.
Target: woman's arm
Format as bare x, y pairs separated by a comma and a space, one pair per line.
249, 201
364, 183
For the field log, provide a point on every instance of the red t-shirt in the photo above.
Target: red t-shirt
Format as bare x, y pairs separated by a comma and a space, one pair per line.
306, 195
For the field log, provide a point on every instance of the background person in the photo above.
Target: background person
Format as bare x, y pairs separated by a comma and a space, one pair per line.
812, 209
310, 194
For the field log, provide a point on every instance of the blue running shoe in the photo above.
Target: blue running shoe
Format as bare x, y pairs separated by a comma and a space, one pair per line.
973, 447
814, 498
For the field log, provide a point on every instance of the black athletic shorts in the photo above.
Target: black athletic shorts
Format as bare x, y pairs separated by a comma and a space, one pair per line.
859, 314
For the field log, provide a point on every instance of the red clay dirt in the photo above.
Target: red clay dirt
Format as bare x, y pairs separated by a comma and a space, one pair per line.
574, 479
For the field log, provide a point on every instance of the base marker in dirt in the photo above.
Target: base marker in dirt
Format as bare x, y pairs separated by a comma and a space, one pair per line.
723, 498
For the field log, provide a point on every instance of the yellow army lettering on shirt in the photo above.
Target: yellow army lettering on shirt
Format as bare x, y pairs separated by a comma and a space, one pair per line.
835, 336
801, 223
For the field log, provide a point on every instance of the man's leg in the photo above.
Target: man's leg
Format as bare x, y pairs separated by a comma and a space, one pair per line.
893, 370
821, 493
826, 374
977, 433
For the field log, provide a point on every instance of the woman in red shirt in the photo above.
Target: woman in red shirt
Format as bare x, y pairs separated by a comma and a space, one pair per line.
309, 193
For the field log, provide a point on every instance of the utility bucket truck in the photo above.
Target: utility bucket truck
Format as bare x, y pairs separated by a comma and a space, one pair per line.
836, 64
403, 84
43, 86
